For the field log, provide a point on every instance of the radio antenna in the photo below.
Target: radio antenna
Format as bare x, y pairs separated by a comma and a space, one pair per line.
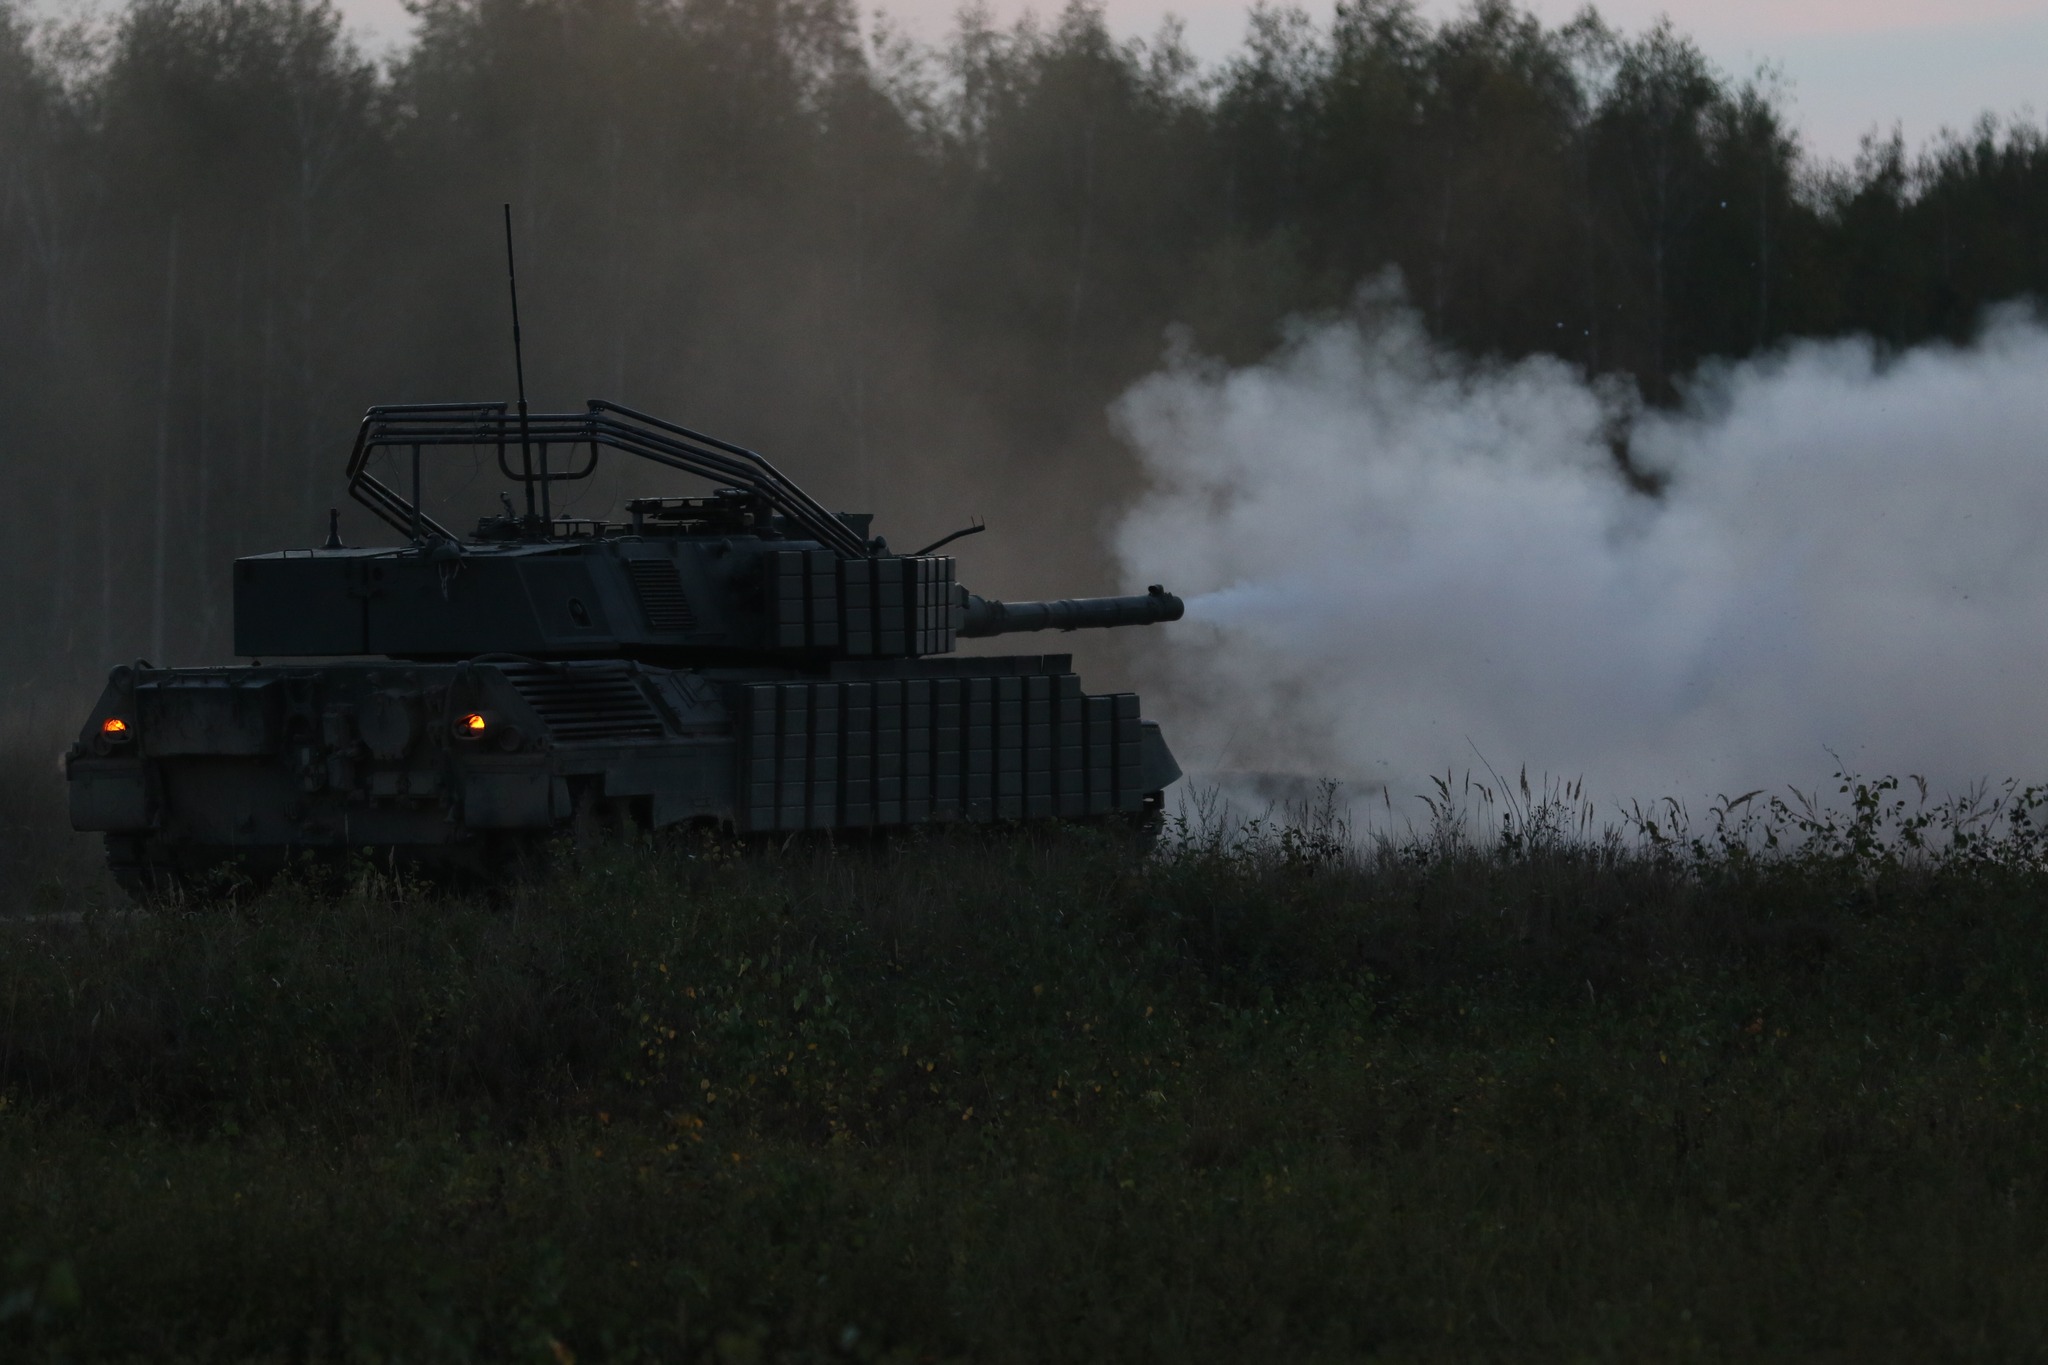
519, 368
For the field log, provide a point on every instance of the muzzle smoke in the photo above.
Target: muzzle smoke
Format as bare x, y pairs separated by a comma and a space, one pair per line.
1398, 560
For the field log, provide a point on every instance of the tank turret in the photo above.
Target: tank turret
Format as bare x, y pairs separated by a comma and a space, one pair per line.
754, 572
743, 656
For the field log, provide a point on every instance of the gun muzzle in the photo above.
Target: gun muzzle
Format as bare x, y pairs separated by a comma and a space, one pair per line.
986, 616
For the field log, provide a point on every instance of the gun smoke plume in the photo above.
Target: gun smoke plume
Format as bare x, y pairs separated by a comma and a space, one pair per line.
1395, 556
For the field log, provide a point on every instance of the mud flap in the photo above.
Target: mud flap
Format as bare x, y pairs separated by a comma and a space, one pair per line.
1155, 761
109, 796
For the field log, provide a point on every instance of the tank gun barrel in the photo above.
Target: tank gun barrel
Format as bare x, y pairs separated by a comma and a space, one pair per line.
986, 616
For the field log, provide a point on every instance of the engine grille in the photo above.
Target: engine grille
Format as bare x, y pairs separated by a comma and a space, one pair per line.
660, 590
586, 701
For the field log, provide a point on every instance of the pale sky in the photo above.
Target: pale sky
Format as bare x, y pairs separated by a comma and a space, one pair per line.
1851, 65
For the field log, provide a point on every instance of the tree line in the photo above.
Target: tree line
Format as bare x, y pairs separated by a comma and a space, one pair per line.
913, 274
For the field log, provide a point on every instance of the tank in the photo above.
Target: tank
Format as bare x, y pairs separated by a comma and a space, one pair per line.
743, 659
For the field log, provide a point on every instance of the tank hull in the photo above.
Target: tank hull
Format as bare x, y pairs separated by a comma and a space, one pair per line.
461, 765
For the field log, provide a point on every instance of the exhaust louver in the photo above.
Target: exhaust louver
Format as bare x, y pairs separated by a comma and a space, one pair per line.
587, 701
660, 591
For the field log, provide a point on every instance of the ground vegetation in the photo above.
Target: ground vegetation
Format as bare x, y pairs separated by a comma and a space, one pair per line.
1474, 1091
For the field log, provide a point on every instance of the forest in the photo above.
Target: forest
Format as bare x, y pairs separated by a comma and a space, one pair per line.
914, 275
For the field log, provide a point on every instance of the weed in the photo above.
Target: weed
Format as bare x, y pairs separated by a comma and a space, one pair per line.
1769, 1088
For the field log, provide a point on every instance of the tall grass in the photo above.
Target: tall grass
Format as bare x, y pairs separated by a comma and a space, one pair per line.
45, 866
1484, 1091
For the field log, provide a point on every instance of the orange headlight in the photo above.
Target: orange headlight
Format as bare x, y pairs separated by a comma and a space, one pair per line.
472, 724
113, 727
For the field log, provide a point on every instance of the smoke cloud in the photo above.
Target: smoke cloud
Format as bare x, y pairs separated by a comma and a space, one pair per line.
1399, 560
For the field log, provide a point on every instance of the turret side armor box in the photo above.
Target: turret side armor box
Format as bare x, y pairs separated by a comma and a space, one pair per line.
888, 607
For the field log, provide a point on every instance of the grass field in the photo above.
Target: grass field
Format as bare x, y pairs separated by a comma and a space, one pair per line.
1777, 1094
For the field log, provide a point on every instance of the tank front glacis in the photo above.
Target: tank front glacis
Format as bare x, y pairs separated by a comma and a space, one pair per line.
745, 658
192, 766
